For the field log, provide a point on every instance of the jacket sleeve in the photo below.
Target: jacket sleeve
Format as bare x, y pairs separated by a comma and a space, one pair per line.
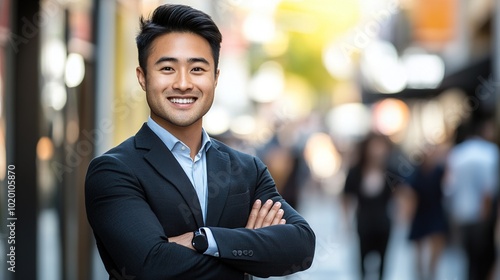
129, 233
271, 251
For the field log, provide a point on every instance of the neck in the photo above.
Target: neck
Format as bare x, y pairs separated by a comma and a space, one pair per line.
373, 166
189, 135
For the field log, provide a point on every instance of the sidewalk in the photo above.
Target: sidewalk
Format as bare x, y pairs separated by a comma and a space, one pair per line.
337, 251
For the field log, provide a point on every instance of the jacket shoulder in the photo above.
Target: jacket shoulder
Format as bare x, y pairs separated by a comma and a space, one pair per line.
232, 152
123, 149
124, 153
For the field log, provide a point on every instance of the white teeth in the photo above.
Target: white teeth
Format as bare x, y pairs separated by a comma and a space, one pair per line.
182, 100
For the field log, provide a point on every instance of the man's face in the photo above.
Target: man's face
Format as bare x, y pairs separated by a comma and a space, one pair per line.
180, 80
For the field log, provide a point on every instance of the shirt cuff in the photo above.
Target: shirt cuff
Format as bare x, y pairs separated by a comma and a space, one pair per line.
213, 249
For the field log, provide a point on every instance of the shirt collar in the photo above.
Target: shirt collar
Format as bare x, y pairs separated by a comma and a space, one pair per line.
171, 141
206, 143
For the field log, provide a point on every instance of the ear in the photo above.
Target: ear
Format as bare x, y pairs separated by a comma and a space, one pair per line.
141, 77
217, 77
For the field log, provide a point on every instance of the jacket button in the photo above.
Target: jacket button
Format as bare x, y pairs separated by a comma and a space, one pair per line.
235, 253
240, 253
245, 252
250, 253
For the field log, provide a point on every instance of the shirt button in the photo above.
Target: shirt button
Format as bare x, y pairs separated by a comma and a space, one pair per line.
183, 148
216, 254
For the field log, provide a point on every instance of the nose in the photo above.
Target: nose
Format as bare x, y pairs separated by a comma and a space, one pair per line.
183, 81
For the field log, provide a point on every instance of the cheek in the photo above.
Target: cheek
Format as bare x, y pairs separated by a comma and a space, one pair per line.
155, 87
209, 89
150, 100
154, 97
205, 81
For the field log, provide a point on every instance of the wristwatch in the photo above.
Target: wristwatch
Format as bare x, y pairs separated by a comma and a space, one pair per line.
200, 241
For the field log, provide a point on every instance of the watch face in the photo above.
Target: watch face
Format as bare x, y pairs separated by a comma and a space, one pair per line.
200, 242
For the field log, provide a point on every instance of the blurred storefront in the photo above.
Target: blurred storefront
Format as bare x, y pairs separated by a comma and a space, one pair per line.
313, 76
48, 109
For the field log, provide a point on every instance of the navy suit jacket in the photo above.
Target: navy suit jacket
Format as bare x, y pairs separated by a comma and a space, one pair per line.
137, 195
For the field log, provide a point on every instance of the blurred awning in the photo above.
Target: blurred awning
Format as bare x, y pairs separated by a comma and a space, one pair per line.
468, 79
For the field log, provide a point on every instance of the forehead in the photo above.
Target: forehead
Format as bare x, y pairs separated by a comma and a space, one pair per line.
180, 45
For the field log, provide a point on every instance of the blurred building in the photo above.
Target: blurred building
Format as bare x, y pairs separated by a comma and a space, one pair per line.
302, 70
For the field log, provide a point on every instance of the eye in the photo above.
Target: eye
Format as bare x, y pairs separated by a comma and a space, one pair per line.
198, 69
167, 68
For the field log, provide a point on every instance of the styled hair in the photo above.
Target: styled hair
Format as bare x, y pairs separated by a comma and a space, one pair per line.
176, 18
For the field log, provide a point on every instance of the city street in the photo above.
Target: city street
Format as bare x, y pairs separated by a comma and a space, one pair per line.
337, 249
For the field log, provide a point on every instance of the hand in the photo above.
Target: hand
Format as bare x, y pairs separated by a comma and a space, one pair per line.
185, 240
265, 215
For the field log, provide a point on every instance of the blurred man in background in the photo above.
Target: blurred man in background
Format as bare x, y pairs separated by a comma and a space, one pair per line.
471, 184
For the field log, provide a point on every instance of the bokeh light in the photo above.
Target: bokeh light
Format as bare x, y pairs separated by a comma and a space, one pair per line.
382, 69
351, 120
75, 70
321, 156
54, 95
259, 27
339, 64
424, 71
268, 83
243, 125
53, 59
44, 148
433, 126
390, 116
216, 121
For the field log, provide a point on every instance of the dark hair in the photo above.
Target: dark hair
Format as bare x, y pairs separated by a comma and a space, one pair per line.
177, 18
364, 146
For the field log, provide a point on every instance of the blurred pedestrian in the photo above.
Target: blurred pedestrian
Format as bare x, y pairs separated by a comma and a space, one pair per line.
471, 183
366, 184
428, 226
283, 155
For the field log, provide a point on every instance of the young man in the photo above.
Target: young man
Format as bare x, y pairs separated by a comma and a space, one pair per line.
171, 202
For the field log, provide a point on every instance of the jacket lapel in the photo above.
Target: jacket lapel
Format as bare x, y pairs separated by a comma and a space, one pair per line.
219, 180
161, 159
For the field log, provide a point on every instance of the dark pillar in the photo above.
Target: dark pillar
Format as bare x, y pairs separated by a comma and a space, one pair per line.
85, 237
496, 79
24, 128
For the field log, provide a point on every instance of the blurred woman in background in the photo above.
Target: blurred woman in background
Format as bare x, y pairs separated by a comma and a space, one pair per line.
428, 226
367, 187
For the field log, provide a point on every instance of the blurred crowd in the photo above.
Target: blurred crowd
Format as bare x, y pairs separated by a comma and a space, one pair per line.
447, 194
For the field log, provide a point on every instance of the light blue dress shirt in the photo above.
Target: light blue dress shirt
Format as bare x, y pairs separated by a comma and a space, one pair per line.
195, 169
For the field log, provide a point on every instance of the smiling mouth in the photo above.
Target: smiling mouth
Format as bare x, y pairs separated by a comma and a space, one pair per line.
182, 100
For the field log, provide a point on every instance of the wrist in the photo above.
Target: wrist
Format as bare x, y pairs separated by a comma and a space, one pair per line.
199, 241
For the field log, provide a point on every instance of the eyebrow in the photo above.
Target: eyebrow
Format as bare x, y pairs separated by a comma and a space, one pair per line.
189, 60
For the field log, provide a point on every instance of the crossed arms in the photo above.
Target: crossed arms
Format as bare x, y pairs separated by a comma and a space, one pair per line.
132, 240
261, 216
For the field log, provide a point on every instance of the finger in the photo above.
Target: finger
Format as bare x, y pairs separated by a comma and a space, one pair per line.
264, 210
278, 217
271, 214
253, 214
282, 222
